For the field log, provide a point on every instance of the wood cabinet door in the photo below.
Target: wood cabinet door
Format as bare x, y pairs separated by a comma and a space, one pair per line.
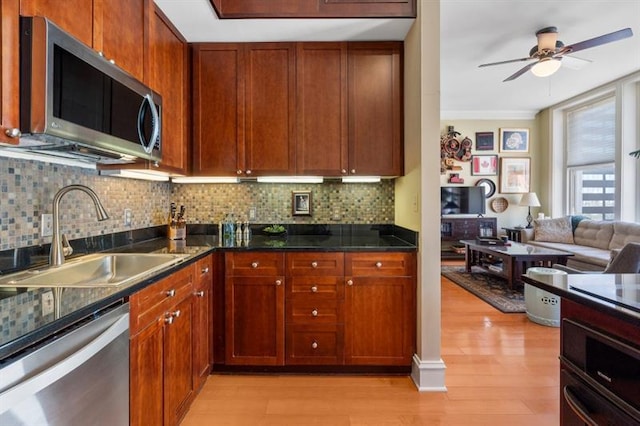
379, 321
218, 109
254, 320
146, 375
120, 31
270, 109
75, 17
375, 109
168, 75
178, 361
321, 122
202, 322
9, 72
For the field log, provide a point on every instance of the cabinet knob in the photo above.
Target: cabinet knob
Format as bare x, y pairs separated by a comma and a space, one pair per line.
314, 264
314, 289
199, 293
254, 265
100, 53
314, 345
343, 171
350, 282
353, 171
205, 270
378, 264
171, 293
13, 132
238, 172
168, 320
176, 314
314, 313
248, 172
278, 282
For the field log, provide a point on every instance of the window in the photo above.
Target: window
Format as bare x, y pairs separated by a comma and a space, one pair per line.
591, 146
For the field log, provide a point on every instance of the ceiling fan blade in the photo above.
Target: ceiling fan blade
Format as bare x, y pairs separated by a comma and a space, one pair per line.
505, 62
597, 41
574, 63
520, 72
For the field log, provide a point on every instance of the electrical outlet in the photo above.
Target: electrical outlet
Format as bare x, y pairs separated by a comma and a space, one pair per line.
127, 217
414, 203
46, 225
253, 214
47, 303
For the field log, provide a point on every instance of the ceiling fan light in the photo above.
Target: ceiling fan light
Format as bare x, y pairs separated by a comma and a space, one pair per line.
546, 67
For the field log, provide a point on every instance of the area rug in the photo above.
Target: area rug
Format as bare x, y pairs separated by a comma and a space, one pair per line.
491, 289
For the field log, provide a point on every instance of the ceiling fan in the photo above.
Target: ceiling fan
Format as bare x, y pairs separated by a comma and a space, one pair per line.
549, 51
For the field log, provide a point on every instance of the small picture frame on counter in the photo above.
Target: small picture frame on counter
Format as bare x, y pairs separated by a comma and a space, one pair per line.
301, 203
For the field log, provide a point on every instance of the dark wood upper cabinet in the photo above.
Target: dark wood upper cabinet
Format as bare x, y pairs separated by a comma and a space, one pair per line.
218, 109
9, 72
375, 109
270, 109
322, 136
315, 8
244, 109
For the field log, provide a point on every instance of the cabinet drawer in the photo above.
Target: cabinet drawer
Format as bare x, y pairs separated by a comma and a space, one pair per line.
314, 288
314, 345
304, 264
380, 264
155, 300
254, 264
304, 311
204, 268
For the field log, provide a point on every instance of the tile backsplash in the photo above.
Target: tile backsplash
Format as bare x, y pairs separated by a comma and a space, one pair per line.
27, 189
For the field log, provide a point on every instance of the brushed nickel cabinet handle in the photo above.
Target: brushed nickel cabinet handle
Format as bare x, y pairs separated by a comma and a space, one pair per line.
278, 282
314, 289
199, 293
171, 293
314, 264
350, 282
13, 132
314, 345
378, 264
314, 313
255, 265
205, 270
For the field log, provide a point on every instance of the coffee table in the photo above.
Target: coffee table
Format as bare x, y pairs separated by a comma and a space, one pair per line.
512, 260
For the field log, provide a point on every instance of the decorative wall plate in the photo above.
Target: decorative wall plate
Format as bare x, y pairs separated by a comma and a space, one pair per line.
489, 187
499, 204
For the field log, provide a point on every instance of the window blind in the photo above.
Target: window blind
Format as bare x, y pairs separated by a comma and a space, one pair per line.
591, 134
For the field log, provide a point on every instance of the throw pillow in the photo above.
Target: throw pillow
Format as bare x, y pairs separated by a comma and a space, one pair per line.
575, 220
553, 230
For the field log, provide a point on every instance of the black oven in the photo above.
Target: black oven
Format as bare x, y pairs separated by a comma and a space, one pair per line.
599, 379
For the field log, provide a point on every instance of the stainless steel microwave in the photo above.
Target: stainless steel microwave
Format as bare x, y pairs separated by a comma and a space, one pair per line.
75, 103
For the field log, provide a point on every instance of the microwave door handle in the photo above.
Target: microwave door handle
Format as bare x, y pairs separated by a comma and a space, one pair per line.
148, 145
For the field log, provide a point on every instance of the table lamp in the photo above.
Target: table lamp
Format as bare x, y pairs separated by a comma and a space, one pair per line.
530, 200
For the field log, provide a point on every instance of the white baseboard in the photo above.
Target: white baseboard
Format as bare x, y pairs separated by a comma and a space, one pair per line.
428, 376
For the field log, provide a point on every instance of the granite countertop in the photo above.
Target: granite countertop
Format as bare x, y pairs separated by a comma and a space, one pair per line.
615, 294
21, 321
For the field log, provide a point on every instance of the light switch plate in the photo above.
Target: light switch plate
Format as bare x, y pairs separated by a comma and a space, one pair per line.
47, 303
46, 225
128, 217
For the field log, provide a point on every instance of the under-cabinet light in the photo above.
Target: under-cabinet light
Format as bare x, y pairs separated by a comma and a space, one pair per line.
136, 174
205, 179
290, 179
361, 179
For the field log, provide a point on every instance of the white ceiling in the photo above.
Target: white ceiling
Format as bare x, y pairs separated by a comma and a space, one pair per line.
472, 32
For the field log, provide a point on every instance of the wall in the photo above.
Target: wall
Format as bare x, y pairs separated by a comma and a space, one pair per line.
27, 189
514, 215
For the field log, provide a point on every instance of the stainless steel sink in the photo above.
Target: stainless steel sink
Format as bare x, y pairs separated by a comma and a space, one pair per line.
94, 270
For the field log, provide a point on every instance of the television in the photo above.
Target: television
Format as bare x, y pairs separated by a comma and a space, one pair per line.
462, 200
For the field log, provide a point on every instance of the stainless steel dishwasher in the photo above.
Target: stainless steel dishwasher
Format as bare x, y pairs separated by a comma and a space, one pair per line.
79, 378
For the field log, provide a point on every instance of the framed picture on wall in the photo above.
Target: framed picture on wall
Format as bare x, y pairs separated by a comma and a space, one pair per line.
484, 141
514, 140
484, 165
301, 203
515, 175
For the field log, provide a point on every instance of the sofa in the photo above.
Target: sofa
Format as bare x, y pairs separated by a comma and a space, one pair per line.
593, 243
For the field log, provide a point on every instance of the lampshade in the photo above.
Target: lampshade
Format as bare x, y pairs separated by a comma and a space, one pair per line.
545, 67
530, 199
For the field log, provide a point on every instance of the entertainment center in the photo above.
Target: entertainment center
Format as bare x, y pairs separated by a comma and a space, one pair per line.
463, 200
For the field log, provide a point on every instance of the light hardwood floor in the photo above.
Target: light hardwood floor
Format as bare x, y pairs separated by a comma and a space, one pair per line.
502, 369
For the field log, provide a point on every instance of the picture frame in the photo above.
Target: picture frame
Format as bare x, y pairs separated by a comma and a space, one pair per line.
484, 141
515, 175
484, 165
301, 203
514, 140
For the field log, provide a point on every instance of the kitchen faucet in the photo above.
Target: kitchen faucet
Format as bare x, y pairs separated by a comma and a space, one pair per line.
59, 244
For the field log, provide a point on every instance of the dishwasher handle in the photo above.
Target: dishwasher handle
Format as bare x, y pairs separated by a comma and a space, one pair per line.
29, 387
